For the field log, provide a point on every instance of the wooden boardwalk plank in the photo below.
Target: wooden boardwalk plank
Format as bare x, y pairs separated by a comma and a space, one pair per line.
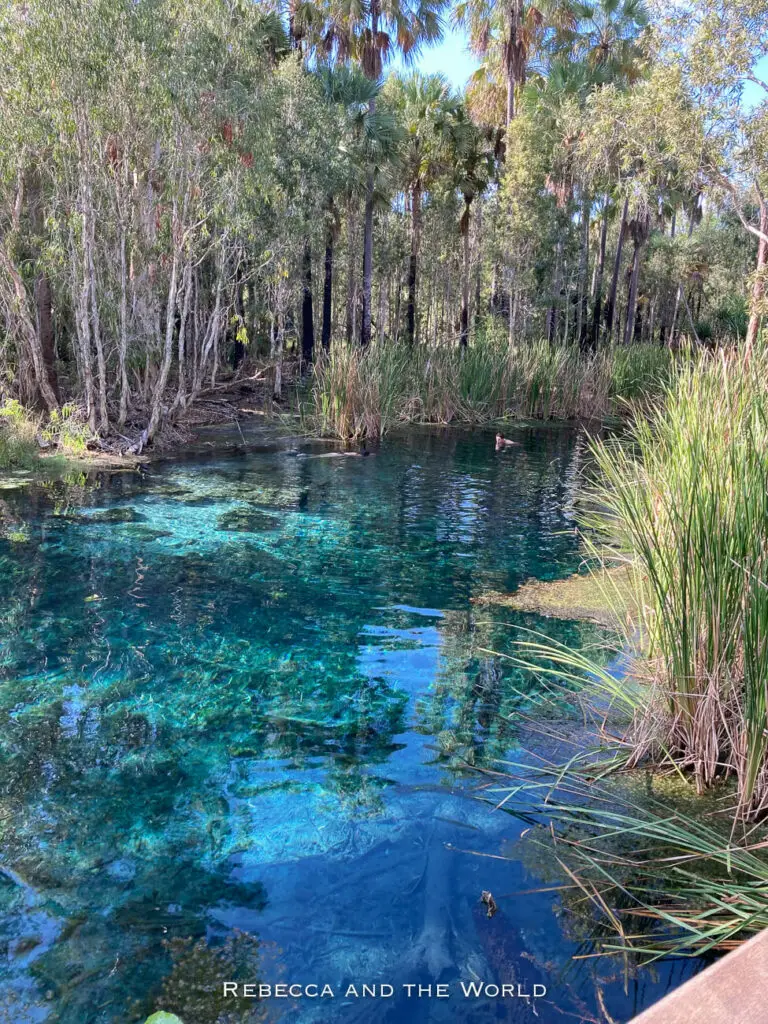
734, 990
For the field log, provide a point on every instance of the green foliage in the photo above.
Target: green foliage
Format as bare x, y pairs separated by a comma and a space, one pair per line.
163, 1018
65, 428
175, 189
362, 393
688, 501
681, 499
18, 437
661, 873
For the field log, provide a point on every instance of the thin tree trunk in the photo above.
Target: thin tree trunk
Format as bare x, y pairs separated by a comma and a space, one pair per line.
89, 271
170, 322
29, 334
383, 299
611, 306
351, 289
122, 347
325, 335
307, 313
83, 332
214, 326
600, 273
398, 305
758, 288
567, 325
365, 320
680, 294
186, 284
413, 262
632, 299
44, 304
553, 311
43, 293
478, 266
277, 390
465, 274
581, 312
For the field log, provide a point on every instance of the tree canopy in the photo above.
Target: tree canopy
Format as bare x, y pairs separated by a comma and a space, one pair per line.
176, 180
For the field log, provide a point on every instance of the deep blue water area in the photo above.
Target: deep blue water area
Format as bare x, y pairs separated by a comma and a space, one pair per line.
244, 694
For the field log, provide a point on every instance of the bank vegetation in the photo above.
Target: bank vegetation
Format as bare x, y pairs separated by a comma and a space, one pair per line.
243, 191
679, 504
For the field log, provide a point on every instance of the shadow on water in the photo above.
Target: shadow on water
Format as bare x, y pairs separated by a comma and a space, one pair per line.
239, 693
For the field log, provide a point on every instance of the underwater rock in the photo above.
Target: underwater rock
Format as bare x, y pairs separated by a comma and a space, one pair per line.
147, 533
246, 520
122, 870
202, 500
113, 515
490, 902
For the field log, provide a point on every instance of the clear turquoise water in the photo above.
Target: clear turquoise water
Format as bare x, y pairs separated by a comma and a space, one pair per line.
239, 694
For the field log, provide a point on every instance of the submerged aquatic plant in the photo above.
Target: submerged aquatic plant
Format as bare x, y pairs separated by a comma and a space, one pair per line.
195, 985
356, 392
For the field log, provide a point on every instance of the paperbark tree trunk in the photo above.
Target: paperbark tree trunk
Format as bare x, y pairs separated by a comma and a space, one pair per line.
29, 334
758, 288
43, 292
170, 324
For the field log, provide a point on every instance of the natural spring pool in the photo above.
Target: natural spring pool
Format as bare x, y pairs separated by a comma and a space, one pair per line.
240, 693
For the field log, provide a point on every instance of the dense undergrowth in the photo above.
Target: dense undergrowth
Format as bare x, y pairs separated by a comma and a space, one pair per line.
356, 392
25, 435
682, 498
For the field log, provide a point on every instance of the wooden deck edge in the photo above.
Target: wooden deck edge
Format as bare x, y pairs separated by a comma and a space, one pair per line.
734, 990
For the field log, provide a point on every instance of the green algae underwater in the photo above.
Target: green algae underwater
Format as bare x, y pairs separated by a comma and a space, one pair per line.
241, 698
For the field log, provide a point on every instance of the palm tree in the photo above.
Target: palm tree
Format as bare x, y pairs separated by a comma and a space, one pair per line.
360, 133
474, 166
371, 32
305, 32
507, 35
426, 112
608, 35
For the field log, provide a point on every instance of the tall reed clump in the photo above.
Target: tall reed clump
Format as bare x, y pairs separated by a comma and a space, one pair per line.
354, 392
685, 495
682, 497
